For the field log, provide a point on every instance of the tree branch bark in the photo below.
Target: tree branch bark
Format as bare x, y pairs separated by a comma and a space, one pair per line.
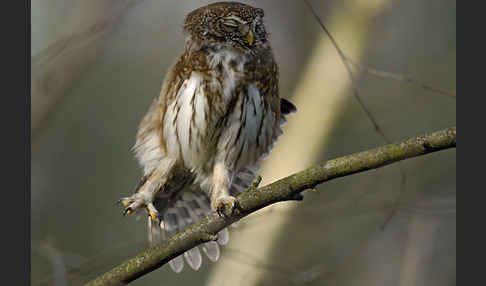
288, 188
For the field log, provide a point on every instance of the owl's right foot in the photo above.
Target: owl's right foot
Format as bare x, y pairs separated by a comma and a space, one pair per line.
225, 205
139, 201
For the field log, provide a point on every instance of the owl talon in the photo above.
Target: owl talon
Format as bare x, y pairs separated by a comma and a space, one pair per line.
129, 205
124, 202
128, 211
153, 213
153, 216
225, 206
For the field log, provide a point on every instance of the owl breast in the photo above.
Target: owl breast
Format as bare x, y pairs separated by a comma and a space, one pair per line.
219, 116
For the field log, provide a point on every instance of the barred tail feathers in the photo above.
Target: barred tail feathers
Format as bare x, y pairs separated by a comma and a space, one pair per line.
177, 215
187, 208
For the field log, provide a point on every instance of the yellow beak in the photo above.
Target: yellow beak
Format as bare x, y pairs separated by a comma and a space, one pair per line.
250, 37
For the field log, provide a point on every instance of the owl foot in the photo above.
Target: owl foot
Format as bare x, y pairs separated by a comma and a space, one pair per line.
225, 205
139, 201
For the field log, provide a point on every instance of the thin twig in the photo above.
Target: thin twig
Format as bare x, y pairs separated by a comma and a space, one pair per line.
255, 199
350, 73
344, 60
399, 77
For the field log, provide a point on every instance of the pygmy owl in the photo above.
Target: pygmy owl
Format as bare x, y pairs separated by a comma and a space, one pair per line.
218, 115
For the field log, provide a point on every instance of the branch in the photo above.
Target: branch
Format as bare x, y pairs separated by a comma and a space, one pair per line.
400, 77
354, 88
288, 188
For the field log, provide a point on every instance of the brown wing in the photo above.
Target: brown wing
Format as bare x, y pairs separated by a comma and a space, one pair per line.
150, 135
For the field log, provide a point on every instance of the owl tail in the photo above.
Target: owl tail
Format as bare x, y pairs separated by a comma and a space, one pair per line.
183, 211
287, 107
189, 207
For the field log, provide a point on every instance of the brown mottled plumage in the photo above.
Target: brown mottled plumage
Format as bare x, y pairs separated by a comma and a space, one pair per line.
218, 114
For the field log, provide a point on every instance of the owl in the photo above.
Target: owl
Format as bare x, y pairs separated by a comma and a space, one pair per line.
217, 116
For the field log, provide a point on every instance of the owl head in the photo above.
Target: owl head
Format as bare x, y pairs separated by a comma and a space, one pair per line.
226, 23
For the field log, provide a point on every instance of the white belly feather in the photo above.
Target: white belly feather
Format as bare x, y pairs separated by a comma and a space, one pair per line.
182, 137
188, 113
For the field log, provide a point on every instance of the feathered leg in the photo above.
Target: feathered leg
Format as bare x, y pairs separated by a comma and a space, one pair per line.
145, 194
221, 200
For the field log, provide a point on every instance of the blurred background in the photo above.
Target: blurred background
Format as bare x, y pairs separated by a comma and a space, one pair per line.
98, 64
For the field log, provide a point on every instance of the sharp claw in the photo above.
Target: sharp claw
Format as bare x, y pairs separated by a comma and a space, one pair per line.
220, 210
153, 213
226, 206
256, 182
124, 202
153, 216
128, 211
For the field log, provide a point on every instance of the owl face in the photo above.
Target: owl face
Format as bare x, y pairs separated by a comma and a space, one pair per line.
226, 23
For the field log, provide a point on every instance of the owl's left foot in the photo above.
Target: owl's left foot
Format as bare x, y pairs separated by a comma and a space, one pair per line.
225, 205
